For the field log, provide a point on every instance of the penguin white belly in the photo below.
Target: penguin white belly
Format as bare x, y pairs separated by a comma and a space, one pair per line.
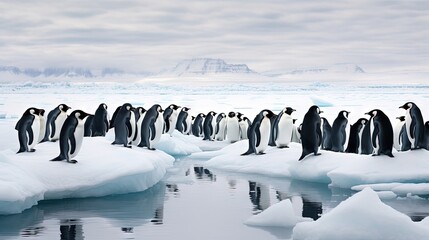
35, 127
59, 122
173, 121
188, 124
212, 136
232, 130
360, 140
42, 128
159, 124
372, 127
133, 126
78, 135
296, 137
139, 130
347, 136
408, 120
264, 129
284, 134
397, 131
221, 133
243, 129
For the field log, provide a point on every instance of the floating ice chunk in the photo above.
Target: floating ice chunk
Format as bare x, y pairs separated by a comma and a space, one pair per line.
362, 216
281, 214
175, 145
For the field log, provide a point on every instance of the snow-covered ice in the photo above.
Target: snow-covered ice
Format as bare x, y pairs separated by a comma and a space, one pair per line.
103, 169
362, 216
281, 214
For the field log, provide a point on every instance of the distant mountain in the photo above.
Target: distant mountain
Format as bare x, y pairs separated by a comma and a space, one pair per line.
336, 68
201, 66
63, 73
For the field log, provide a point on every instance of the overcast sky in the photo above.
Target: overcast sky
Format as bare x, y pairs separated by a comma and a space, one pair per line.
266, 35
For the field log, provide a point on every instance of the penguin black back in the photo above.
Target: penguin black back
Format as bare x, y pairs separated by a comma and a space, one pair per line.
311, 133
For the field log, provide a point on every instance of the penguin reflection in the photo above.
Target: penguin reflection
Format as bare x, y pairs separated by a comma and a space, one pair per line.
259, 196
202, 173
303, 207
71, 229
159, 216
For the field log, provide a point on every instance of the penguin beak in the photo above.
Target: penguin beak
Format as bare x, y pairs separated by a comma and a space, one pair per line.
320, 112
398, 117
367, 113
293, 110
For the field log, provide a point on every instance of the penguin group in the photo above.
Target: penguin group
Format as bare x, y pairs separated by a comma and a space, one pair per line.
143, 128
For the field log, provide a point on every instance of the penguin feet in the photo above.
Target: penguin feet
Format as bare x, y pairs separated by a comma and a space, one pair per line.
128, 146
317, 154
375, 154
32, 150
152, 149
281, 147
72, 161
261, 153
53, 140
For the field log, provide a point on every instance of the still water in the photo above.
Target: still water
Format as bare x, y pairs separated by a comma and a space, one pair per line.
191, 203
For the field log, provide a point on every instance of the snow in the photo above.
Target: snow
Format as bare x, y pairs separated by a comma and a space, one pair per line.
281, 214
362, 216
103, 169
176, 145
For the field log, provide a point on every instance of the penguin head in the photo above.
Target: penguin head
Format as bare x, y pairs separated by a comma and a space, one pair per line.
315, 109
427, 124
32, 111
141, 110
159, 109
288, 110
103, 105
192, 117
202, 115
267, 113
223, 115
127, 106
344, 114
372, 113
239, 114
79, 114
407, 105
174, 106
294, 120
41, 112
231, 114
63, 107
362, 121
185, 109
401, 118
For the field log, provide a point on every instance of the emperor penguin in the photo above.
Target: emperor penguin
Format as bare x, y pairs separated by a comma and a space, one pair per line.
54, 122
232, 128
28, 127
181, 119
427, 135
42, 119
365, 146
272, 141
326, 134
197, 126
71, 136
88, 126
122, 125
112, 120
355, 135
208, 129
311, 133
137, 136
244, 126
152, 127
133, 123
284, 127
381, 133
259, 133
296, 135
414, 125
400, 140
220, 127
187, 127
170, 118
100, 123
338, 133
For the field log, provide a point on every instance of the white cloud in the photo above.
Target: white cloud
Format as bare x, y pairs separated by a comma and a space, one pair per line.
147, 35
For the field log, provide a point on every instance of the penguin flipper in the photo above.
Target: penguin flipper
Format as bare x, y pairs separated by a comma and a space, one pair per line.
413, 128
17, 124
152, 131
258, 136
30, 135
319, 135
128, 126
52, 129
167, 125
374, 135
72, 144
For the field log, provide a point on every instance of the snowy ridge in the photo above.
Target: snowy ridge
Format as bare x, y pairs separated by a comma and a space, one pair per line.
340, 68
201, 66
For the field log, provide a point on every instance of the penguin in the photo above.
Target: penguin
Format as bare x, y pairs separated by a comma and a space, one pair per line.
197, 126
283, 128
28, 127
272, 141
122, 124
338, 132
170, 118
42, 119
137, 137
355, 135
365, 146
54, 122
187, 127
259, 133
400, 140
381, 133
220, 127
71, 136
112, 121
152, 127
208, 129
181, 119
427, 135
326, 134
244, 126
296, 136
232, 128
133, 124
100, 123
311, 133
414, 125
88, 127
